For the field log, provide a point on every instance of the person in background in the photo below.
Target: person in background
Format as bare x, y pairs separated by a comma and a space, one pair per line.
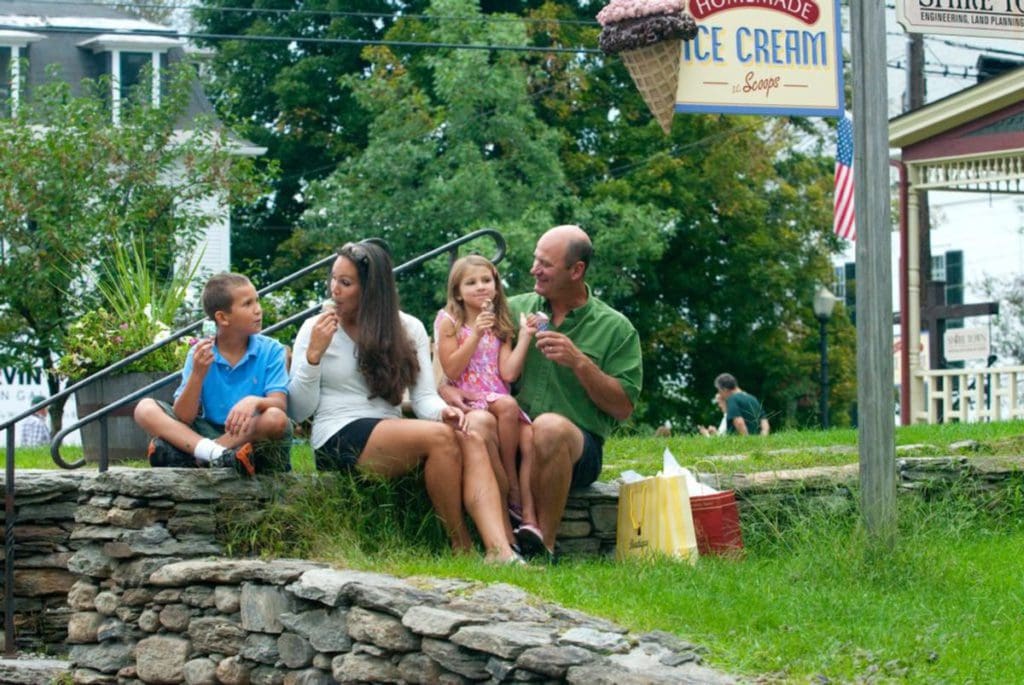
231, 407
34, 428
722, 427
474, 337
744, 414
351, 366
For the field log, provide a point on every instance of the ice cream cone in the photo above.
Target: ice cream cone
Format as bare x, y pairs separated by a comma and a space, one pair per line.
655, 71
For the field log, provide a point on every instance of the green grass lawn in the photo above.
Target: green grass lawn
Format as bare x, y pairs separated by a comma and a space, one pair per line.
813, 602
782, 450
817, 602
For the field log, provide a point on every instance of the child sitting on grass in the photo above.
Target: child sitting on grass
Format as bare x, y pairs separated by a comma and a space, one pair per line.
230, 409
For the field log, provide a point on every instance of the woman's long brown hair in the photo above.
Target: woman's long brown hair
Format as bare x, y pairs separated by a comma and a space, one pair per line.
385, 354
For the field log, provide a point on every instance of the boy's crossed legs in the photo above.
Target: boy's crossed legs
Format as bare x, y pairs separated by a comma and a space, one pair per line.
264, 447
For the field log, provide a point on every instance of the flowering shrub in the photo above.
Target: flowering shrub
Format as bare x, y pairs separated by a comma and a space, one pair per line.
100, 338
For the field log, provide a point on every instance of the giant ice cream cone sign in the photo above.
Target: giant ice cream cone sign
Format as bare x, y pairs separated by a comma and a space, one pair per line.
648, 35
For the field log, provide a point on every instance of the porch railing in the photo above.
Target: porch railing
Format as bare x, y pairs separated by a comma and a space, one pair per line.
972, 395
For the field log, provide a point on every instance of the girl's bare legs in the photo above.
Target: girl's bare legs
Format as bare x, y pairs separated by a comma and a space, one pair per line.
482, 499
526, 472
397, 446
506, 411
484, 424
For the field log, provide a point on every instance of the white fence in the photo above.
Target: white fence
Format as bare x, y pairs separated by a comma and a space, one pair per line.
973, 395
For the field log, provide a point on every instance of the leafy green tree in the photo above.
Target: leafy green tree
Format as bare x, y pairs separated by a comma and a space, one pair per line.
72, 185
712, 239
457, 151
291, 95
1008, 335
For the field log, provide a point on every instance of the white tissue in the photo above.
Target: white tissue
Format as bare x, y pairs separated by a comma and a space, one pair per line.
671, 467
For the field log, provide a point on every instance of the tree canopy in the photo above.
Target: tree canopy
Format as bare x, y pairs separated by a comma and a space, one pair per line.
712, 239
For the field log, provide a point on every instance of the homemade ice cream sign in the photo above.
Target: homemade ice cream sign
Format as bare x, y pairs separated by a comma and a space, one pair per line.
763, 57
734, 56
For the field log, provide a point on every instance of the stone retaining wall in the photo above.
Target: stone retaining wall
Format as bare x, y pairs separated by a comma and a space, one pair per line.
297, 623
125, 523
143, 611
45, 505
93, 553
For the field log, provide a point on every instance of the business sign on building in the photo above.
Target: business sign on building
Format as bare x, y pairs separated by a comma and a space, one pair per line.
965, 344
17, 388
983, 18
763, 57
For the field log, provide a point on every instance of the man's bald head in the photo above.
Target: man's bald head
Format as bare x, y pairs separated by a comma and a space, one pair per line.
575, 242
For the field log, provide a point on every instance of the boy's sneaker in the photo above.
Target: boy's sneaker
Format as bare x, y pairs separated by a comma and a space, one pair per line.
239, 458
162, 454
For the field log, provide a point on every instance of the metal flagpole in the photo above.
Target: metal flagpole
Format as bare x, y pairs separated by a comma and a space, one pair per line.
875, 405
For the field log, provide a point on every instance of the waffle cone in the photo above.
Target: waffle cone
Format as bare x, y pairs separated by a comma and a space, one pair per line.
655, 71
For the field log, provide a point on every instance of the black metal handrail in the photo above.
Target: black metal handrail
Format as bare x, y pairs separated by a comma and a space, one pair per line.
450, 248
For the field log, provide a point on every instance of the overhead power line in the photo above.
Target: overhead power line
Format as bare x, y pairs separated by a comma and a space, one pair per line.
380, 16
319, 40
953, 71
496, 18
945, 70
956, 44
487, 18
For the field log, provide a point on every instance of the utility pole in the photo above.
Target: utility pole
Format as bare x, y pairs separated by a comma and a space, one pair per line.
876, 408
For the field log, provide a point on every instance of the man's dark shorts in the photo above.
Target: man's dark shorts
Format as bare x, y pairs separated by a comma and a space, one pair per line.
269, 456
342, 450
588, 468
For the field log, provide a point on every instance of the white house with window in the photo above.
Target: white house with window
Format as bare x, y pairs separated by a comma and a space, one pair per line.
89, 41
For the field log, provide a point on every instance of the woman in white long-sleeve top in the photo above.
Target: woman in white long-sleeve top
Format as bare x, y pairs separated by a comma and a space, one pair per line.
351, 366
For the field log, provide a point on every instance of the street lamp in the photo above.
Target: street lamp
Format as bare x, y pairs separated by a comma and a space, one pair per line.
824, 303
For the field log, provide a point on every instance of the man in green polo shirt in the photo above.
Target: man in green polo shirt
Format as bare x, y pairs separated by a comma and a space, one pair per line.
581, 377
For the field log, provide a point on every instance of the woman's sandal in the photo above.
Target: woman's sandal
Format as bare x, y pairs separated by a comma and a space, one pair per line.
515, 560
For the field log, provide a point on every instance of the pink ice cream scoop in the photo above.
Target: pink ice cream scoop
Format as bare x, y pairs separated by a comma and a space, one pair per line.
620, 10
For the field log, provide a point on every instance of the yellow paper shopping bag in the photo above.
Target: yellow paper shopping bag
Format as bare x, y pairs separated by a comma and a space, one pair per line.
654, 517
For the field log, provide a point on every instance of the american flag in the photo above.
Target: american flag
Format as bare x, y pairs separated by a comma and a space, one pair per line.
844, 217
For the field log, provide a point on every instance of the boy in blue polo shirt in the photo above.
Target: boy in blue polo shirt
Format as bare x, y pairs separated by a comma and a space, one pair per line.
230, 409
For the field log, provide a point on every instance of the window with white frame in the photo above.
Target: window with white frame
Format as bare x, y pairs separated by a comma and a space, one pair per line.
6, 83
839, 282
13, 51
131, 70
939, 267
130, 58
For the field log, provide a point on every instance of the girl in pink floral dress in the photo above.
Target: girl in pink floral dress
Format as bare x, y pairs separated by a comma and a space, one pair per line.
474, 344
